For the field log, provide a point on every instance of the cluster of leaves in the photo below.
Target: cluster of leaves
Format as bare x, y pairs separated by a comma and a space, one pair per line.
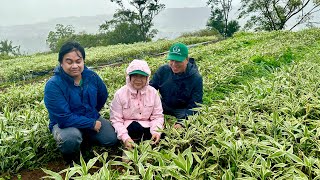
25, 140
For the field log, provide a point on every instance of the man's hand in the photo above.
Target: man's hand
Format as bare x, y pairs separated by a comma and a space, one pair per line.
97, 126
129, 143
177, 126
155, 138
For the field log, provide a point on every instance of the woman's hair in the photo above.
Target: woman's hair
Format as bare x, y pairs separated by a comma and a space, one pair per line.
69, 47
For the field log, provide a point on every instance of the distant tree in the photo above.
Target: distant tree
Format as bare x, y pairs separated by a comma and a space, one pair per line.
123, 28
233, 26
219, 19
126, 33
274, 14
6, 48
60, 32
136, 20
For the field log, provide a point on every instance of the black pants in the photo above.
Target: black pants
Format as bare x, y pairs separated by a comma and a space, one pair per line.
138, 133
180, 114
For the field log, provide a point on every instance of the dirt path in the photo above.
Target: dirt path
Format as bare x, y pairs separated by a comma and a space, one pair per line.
35, 174
57, 166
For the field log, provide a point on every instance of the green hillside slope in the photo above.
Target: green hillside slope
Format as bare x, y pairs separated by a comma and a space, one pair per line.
26, 68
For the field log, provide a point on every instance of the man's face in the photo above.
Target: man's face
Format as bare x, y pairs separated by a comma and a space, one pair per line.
177, 66
138, 81
73, 64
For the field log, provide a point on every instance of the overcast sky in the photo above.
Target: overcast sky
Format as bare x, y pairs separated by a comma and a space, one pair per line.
15, 12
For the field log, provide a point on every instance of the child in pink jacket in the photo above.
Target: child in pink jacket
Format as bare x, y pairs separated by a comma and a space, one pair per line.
136, 110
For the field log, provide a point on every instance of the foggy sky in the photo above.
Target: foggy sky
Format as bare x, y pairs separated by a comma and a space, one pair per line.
16, 12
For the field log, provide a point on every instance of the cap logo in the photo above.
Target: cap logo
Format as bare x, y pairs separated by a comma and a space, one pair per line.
176, 50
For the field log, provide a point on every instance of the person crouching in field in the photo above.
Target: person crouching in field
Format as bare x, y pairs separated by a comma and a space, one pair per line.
136, 110
179, 83
74, 96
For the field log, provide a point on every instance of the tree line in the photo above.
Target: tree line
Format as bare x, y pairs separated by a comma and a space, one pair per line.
133, 22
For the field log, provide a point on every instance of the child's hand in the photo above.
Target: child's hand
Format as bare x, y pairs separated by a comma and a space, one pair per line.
129, 143
155, 138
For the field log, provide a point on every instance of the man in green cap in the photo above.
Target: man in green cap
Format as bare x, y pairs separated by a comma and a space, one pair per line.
179, 83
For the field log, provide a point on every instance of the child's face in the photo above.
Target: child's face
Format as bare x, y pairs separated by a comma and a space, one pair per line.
138, 81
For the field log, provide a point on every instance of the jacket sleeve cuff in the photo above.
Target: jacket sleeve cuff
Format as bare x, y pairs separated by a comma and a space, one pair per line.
124, 137
181, 122
94, 124
154, 132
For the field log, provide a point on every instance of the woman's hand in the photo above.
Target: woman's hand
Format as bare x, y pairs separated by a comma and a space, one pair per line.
155, 138
129, 144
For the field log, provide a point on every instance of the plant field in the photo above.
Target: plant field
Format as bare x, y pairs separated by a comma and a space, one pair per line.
24, 68
260, 118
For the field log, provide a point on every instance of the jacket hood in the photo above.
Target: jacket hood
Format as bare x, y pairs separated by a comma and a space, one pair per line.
60, 72
140, 65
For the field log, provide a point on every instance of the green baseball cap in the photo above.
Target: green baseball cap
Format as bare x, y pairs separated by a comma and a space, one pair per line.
178, 52
139, 72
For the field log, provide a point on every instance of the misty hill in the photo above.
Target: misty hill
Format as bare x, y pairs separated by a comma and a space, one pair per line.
32, 37
170, 22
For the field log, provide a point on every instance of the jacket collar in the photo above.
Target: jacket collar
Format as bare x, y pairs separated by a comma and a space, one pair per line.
134, 91
60, 72
190, 70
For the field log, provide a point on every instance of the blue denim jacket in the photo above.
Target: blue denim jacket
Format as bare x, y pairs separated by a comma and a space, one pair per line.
74, 106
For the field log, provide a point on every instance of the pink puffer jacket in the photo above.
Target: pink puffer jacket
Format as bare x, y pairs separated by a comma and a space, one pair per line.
143, 106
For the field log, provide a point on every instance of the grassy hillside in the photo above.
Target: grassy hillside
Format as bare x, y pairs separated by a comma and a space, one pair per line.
29, 67
260, 118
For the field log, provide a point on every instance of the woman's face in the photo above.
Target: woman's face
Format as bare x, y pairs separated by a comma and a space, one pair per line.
138, 81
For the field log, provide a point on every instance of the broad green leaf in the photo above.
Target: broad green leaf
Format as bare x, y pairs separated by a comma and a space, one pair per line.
277, 154
294, 158
181, 162
281, 165
227, 175
54, 175
148, 174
